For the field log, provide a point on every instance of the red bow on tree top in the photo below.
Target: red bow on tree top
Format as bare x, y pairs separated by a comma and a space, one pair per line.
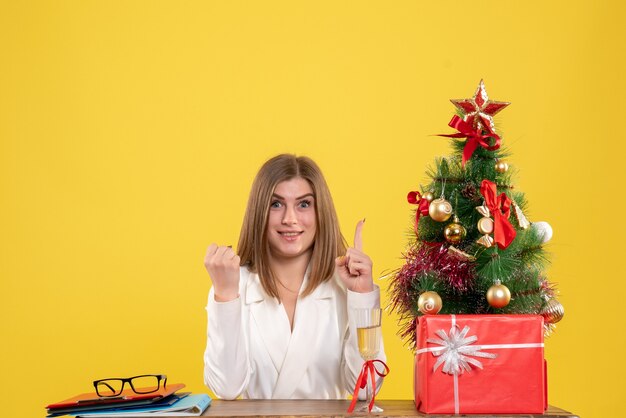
500, 208
415, 198
478, 112
474, 137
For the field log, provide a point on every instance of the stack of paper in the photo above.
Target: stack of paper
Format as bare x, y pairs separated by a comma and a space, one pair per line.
191, 405
165, 402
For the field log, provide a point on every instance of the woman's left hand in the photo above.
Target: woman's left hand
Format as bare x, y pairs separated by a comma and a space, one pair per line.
355, 268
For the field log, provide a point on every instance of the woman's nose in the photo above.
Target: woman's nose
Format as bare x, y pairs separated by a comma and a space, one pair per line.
289, 218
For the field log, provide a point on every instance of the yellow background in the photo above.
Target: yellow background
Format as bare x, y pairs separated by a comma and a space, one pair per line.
130, 132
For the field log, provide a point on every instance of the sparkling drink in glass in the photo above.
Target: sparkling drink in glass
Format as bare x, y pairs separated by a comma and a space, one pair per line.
368, 328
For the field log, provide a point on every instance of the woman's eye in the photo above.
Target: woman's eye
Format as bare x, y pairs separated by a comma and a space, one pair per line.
305, 204
275, 204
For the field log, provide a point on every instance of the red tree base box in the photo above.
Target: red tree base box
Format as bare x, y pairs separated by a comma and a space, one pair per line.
480, 364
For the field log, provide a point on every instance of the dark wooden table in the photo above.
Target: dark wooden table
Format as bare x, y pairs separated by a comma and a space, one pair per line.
336, 409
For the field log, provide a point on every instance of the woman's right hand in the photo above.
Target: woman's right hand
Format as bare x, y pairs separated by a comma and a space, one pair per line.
222, 263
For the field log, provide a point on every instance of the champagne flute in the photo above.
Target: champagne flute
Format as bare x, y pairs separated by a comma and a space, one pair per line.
368, 328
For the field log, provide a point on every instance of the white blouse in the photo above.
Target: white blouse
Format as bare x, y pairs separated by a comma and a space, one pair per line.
252, 352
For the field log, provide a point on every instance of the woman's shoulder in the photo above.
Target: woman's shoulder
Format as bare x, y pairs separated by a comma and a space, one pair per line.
337, 283
250, 287
246, 275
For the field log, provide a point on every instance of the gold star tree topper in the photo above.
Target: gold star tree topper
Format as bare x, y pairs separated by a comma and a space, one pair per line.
479, 110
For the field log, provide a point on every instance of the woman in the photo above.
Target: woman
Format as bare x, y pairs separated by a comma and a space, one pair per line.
278, 312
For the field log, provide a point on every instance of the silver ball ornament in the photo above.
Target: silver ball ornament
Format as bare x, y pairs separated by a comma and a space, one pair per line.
544, 230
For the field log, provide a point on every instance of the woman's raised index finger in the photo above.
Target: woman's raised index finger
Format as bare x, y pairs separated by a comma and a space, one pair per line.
358, 235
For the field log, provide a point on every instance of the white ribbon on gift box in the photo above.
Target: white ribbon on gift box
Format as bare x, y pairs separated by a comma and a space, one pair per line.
455, 352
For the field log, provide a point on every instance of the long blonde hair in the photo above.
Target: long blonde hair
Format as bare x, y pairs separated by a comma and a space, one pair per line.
253, 245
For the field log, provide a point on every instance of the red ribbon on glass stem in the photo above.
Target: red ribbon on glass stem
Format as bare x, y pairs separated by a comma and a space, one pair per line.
500, 208
415, 198
474, 137
361, 382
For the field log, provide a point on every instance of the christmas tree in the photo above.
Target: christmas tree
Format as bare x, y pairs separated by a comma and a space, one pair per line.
472, 250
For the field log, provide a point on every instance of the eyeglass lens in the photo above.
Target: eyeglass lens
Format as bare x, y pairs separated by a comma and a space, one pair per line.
145, 384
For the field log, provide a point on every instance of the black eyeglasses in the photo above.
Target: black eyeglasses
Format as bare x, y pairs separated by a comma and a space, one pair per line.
145, 383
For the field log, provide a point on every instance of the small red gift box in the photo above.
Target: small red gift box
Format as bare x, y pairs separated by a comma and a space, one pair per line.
480, 364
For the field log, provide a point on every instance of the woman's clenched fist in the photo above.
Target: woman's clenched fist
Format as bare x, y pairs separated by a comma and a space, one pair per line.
222, 263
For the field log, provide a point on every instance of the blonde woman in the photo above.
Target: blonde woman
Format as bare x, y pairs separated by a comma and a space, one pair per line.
279, 311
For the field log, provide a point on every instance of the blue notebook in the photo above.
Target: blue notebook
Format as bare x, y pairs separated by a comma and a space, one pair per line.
189, 406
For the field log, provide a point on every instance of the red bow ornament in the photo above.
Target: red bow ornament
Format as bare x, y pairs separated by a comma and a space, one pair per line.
415, 198
474, 137
361, 382
500, 208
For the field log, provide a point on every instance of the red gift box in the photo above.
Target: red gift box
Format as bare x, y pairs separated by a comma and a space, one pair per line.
480, 364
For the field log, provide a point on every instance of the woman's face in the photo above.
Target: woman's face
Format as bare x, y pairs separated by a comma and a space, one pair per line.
291, 225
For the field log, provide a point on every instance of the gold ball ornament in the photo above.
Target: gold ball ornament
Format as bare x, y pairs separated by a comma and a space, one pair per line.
428, 196
553, 311
429, 303
440, 210
454, 232
502, 166
498, 295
